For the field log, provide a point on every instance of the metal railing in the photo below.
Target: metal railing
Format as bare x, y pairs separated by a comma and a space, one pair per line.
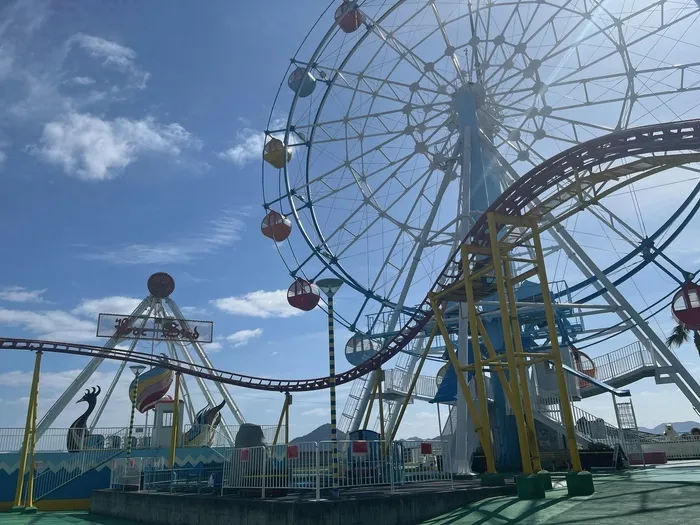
274, 470
622, 361
55, 439
685, 447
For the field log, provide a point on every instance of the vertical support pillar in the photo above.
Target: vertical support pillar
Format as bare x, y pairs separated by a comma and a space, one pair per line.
508, 339
131, 417
288, 402
483, 433
31, 407
380, 400
566, 412
331, 368
414, 381
176, 420
29, 505
528, 415
476, 347
371, 401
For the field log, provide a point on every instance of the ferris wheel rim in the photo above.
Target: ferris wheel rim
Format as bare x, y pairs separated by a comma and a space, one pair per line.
337, 268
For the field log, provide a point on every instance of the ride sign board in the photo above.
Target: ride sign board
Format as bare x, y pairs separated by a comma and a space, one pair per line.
154, 328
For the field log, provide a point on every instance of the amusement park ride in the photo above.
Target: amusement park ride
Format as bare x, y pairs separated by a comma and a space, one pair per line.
448, 162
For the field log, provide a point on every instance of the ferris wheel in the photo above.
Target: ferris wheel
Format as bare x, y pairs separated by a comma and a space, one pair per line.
398, 123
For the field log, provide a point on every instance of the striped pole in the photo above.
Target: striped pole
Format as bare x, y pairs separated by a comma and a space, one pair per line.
133, 413
331, 375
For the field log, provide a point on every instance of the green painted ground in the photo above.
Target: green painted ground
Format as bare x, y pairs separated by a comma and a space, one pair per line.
59, 518
665, 496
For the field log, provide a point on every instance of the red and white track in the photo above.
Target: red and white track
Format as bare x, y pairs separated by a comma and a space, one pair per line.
554, 190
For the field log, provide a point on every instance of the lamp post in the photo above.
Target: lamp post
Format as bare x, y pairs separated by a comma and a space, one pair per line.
136, 369
330, 286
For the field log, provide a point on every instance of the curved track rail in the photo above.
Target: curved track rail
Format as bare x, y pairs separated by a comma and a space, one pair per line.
562, 186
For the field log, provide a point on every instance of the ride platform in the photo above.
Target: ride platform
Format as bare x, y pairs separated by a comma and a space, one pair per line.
360, 506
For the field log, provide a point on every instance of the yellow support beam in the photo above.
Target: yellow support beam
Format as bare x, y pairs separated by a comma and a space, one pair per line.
476, 347
483, 433
506, 323
31, 407
371, 401
282, 417
29, 503
380, 400
414, 380
566, 411
520, 356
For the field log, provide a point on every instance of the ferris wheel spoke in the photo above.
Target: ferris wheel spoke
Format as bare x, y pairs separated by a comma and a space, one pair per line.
449, 48
383, 81
385, 212
378, 114
404, 52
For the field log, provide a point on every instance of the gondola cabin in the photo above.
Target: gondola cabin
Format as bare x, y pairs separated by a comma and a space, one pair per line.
303, 295
276, 226
275, 154
302, 82
349, 17
686, 306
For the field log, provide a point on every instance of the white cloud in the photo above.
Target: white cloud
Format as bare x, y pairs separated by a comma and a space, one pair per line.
3, 158
82, 81
242, 337
106, 305
248, 147
213, 347
19, 294
96, 149
55, 325
112, 55
258, 304
222, 232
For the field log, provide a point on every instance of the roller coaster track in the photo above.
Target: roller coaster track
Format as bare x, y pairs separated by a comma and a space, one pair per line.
555, 190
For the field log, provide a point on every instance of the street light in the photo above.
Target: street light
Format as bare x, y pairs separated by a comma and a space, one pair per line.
330, 286
136, 369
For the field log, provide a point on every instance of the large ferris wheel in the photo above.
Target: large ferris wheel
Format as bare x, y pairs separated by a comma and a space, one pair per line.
399, 122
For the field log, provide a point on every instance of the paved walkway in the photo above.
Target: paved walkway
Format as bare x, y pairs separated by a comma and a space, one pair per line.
665, 496
59, 518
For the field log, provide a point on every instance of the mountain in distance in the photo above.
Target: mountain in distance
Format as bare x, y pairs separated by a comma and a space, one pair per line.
322, 433
681, 427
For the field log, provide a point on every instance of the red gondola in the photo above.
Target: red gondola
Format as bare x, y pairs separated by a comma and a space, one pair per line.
303, 295
686, 306
349, 17
276, 226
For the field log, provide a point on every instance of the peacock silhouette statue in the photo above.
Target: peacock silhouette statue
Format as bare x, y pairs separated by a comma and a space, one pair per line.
205, 422
78, 432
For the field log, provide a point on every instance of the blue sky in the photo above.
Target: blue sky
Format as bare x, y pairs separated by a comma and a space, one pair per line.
130, 140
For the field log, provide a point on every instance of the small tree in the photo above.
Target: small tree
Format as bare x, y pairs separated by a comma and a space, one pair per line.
680, 335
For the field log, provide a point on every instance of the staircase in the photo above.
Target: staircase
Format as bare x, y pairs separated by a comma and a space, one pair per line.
77, 465
622, 367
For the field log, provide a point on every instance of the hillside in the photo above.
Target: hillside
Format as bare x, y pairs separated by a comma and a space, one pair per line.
679, 426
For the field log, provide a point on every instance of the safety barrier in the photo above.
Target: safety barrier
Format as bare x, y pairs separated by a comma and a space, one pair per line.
276, 470
114, 438
679, 448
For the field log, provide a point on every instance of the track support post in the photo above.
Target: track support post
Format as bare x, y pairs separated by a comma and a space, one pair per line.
176, 420
29, 429
483, 432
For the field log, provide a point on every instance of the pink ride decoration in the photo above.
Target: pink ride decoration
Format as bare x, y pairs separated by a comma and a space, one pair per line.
303, 295
686, 306
349, 17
